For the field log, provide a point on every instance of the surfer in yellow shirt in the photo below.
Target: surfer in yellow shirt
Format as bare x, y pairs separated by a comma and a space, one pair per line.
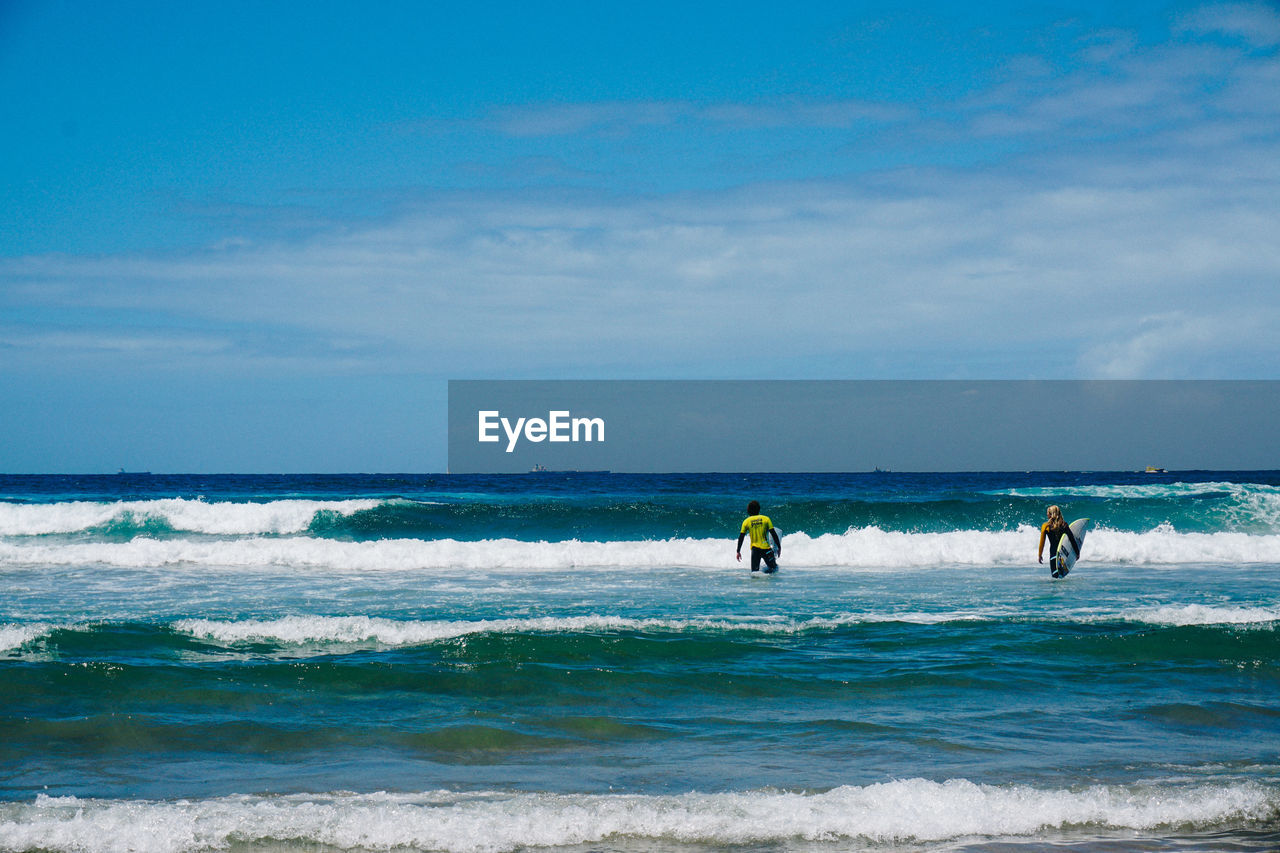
759, 528
1053, 530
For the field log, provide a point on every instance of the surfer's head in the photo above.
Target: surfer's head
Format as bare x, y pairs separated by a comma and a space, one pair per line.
753, 508
1055, 515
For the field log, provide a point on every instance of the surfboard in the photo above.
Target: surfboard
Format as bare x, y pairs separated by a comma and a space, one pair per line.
1067, 555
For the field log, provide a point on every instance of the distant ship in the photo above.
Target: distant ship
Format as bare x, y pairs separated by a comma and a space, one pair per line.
543, 469
1151, 469
124, 473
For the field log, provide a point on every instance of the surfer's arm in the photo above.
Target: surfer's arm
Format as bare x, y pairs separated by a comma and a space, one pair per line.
1040, 549
741, 536
1074, 543
777, 543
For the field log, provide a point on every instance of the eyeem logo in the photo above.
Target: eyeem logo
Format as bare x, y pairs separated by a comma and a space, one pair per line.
558, 426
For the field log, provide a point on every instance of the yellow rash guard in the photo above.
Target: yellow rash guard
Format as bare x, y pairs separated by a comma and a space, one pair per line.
758, 526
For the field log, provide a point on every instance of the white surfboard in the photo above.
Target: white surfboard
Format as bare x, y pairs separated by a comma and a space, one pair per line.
1067, 555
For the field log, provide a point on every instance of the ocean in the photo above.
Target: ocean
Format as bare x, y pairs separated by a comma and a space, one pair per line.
576, 662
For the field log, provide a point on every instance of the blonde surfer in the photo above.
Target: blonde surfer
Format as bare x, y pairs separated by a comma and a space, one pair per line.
1054, 529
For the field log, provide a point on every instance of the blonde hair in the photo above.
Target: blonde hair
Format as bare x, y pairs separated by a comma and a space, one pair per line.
1055, 517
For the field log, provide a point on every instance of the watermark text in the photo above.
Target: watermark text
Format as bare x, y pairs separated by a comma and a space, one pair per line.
558, 426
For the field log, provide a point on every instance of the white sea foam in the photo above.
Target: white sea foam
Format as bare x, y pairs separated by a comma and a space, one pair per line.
1201, 614
15, 636
1141, 490
196, 516
392, 632
914, 810
1254, 505
860, 548
1244, 505
872, 547
380, 631
1165, 546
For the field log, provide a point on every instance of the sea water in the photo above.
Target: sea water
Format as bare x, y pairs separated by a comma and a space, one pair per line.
578, 662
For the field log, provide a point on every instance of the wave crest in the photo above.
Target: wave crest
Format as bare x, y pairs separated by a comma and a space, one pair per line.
227, 518
912, 810
325, 631
862, 548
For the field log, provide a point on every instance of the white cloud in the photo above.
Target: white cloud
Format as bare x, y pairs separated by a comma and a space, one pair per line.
1137, 233
1256, 24
1149, 95
838, 271
1163, 346
93, 343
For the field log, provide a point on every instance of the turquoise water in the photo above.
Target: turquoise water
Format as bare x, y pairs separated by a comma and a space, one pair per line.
577, 662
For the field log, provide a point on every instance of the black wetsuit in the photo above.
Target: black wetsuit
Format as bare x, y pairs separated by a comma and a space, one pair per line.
1054, 535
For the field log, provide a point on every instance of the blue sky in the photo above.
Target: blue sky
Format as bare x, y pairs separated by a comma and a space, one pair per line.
262, 236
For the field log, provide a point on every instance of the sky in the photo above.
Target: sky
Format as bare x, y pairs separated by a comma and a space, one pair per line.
262, 237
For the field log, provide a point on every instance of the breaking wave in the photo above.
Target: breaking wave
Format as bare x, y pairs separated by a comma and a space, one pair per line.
862, 548
226, 518
904, 811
